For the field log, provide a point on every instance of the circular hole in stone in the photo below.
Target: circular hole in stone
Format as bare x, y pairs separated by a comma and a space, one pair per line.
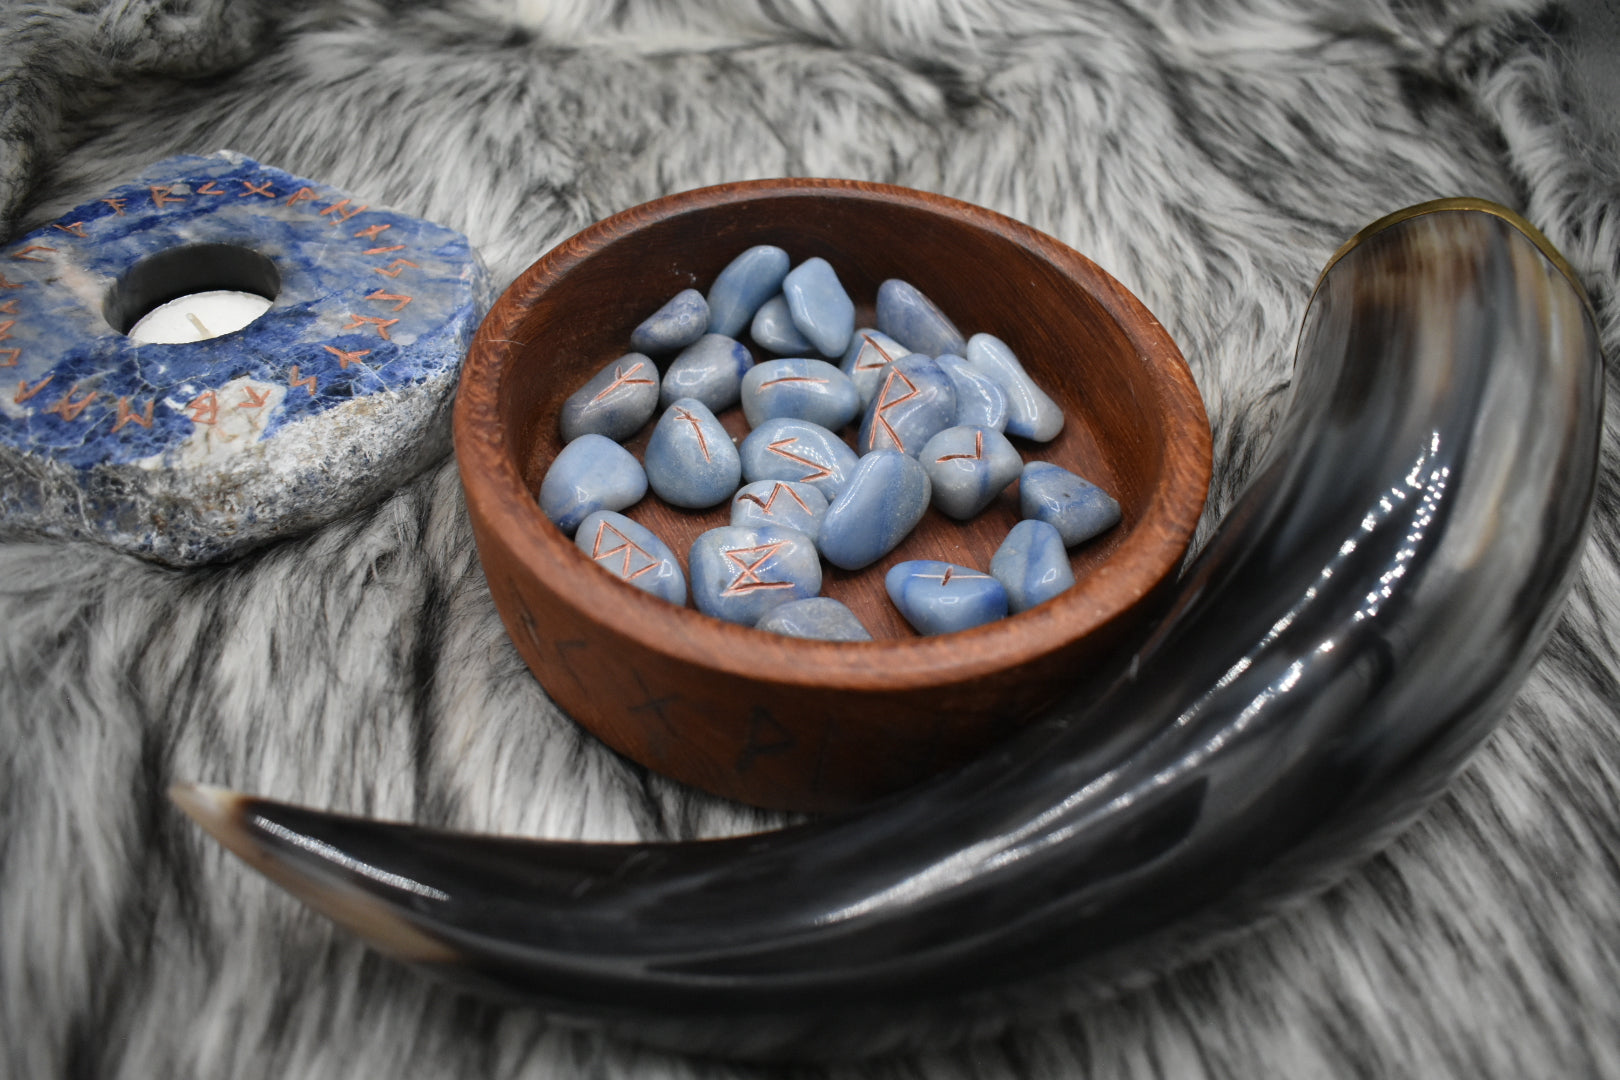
191, 293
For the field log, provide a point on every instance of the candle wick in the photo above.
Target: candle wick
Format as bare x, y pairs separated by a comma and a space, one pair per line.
198, 323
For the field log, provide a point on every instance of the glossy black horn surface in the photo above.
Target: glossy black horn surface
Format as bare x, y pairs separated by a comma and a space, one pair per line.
1362, 616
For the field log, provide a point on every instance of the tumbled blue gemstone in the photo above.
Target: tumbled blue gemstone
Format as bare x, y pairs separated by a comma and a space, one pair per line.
591, 473
710, 370
616, 402
821, 309
885, 498
747, 282
1031, 414
804, 389
1032, 564
869, 352
913, 320
741, 572
941, 597
915, 401
797, 450
1078, 508
674, 326
631, 552
779, 502
819, 617
968, 467
773, 329
691, 460
979, 398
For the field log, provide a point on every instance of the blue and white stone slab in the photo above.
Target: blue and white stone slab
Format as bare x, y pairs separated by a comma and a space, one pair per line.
195, 451
1076, 507
979, 398
885, 498
616, 402
787, 449
915, 321
677, 324
915, 401
802, 389
691, 460
968, 467
941, 597
710, 369
741, 572
820, 618
1032, 414
589, 474
820, 307
773, 329
869, 352
747, 282
632, 553
779, 502
1032, 565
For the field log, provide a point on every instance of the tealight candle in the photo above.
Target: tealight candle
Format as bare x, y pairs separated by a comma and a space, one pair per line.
198, 317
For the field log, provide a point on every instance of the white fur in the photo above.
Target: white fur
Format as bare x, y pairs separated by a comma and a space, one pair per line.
1211, 155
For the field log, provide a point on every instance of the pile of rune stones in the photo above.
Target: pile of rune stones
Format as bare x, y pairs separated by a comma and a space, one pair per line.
935, 413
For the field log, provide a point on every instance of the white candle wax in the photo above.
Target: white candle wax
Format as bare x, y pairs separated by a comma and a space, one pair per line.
198, 317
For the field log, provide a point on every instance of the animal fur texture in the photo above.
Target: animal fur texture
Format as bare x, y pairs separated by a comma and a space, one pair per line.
1211, 154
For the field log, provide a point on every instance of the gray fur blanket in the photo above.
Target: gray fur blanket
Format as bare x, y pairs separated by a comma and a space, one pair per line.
1211, 154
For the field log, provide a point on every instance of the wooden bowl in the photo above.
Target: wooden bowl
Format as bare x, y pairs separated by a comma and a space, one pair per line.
809, 725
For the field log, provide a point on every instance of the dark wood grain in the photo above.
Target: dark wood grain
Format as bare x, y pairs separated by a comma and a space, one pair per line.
817, 725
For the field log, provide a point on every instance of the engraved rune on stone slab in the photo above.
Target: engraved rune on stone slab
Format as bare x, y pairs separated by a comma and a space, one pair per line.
950, 572
817, 472
766, 504
748, 579
862, 364
884, 405
622, 378
697, 427
624, 544
977, 455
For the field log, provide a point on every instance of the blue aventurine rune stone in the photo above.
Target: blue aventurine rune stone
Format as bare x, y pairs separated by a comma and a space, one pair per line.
821, 309
810, 390
773, 329
868, 354
915, 401
1032, 565
632, 553
674, 326
797, 450
912, 319
968, 467
1032, 415
878, 508
691, 460
779, 502
979, 398
710, 370
591, 473
940, 597
747, 282
616, 402
1078, 508
819, 617
740, 572
194, 451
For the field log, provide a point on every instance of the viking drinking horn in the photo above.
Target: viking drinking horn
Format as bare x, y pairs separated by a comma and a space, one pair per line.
1355, 626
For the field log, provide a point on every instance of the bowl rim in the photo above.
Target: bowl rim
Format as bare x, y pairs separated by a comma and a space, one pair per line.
495, 490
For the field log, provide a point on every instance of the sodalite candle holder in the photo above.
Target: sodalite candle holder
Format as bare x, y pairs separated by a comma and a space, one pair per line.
189, 453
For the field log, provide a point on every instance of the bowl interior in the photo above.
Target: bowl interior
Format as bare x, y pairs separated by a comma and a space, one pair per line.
1084, 352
